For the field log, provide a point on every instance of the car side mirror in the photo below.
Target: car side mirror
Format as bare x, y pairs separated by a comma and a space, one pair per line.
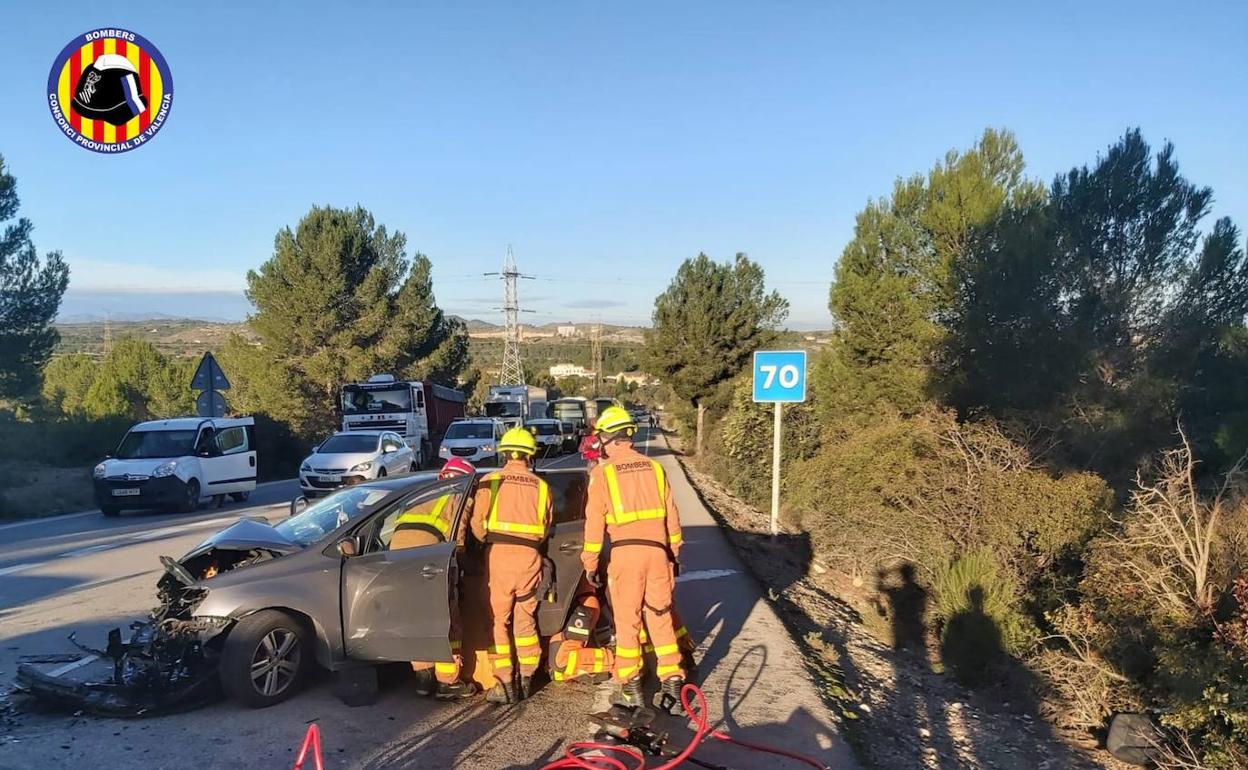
347, 547
298, 505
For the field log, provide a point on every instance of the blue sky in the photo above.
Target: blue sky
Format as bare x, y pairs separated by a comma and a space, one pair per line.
605, 142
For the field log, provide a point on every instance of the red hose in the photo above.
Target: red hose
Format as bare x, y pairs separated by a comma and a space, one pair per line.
609, 758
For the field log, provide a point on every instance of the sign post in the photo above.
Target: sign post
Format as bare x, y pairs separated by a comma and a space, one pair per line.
779, 378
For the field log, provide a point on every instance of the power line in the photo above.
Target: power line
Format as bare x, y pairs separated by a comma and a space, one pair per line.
512, 370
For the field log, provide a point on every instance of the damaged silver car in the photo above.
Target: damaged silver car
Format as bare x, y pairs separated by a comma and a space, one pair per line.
255, 606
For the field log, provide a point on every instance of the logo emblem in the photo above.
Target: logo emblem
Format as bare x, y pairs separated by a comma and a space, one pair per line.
110, 90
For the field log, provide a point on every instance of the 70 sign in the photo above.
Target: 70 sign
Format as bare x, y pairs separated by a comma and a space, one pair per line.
780, 376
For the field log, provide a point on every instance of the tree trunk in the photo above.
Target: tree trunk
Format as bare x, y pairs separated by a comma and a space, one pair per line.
697, 441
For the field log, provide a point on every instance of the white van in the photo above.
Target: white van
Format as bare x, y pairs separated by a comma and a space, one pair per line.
175, 463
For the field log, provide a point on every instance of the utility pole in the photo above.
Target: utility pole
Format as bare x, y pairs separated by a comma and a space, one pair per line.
595, 355
108, 331
512, 371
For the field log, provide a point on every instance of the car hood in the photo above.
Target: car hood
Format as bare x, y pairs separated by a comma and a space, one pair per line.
343, 460
245, 535
140, 467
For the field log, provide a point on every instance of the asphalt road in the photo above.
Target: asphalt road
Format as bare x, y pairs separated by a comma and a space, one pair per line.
88, 574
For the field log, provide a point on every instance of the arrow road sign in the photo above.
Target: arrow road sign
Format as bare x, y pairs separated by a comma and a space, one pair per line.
208, 376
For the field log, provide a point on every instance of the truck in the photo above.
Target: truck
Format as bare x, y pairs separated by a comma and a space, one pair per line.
573, 410
511, 404
418, 410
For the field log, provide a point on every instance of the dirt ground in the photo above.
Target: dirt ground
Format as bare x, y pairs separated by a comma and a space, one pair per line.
28, 491
882, 675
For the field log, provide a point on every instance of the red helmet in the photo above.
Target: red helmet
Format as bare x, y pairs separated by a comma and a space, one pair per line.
456, 466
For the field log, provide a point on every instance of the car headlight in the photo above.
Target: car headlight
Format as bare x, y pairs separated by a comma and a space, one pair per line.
165, 469
99, 471
487, 447
444, 450
306, 467
361, 467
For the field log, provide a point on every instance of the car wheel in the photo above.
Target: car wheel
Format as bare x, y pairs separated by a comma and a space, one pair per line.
191, 501
240, 497
265, 659
110, 510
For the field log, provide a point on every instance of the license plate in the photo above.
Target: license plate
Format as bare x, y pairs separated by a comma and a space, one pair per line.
125, 492
333, 479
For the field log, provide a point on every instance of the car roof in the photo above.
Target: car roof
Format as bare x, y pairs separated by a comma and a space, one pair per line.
473, 419
192, 423
361, 432
540, 419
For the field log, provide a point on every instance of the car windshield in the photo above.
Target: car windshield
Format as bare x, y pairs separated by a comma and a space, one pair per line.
544, 428
357, 401
313, 523
345, 443
470, 430
503, 409
142, 444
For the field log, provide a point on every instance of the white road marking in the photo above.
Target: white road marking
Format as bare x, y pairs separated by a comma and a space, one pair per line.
65, 669
91, 549
706, 574
17, 568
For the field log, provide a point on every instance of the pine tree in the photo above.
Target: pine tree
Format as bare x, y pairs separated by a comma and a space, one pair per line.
338, 301
30, 296
707, 324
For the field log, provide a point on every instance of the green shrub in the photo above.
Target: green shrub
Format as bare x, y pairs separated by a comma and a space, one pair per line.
974, 585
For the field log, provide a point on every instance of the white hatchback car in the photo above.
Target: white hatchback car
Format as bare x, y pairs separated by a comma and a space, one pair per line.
474, 439
353, 457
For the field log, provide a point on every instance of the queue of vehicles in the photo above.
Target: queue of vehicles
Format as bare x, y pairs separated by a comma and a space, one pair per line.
389, 427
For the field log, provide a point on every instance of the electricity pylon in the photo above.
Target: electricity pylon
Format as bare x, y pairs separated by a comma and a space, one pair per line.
512, 371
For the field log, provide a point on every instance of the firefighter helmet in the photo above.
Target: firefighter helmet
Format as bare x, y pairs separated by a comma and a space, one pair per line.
456, 466
615, 419
519, 441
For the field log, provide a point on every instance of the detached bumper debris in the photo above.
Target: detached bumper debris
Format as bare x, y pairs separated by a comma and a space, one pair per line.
167, 665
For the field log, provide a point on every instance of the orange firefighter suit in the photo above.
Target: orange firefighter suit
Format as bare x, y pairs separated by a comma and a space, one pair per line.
429, 523
511, 514
630, 500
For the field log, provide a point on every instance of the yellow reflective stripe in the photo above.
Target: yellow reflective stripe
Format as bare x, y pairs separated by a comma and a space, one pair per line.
661, 478
433, 518
643, 636
667, 649
665, 670
627, 671
570, 668
445, 668
682, 631
593, 547
500, 649
508, 526
628, 652
631, 516
674, 538
543, 495
492, 518
526, 641
530, 660
613, 489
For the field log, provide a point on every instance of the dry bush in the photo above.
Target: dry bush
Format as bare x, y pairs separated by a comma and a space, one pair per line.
1081, 688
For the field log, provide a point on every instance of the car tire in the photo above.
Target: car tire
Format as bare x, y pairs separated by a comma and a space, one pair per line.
265, 659
111, 511
240, 497
190, 502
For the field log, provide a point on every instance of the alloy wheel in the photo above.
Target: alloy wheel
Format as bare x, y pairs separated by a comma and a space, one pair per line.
275, 663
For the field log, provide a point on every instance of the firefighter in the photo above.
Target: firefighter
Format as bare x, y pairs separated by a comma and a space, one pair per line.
630, 500
512, 516
571, 653
428, 524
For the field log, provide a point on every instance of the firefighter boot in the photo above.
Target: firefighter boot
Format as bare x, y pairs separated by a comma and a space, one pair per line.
454, 690
526, 686
425, 683
629, 694
502, 692
667, 699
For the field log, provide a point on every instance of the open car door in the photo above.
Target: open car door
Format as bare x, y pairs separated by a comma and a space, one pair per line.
395, 603
568, 488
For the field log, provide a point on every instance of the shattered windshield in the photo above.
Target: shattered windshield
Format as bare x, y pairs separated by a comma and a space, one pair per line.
140, 445
331, 513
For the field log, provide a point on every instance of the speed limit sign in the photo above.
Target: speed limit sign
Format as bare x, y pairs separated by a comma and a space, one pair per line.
780, 376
